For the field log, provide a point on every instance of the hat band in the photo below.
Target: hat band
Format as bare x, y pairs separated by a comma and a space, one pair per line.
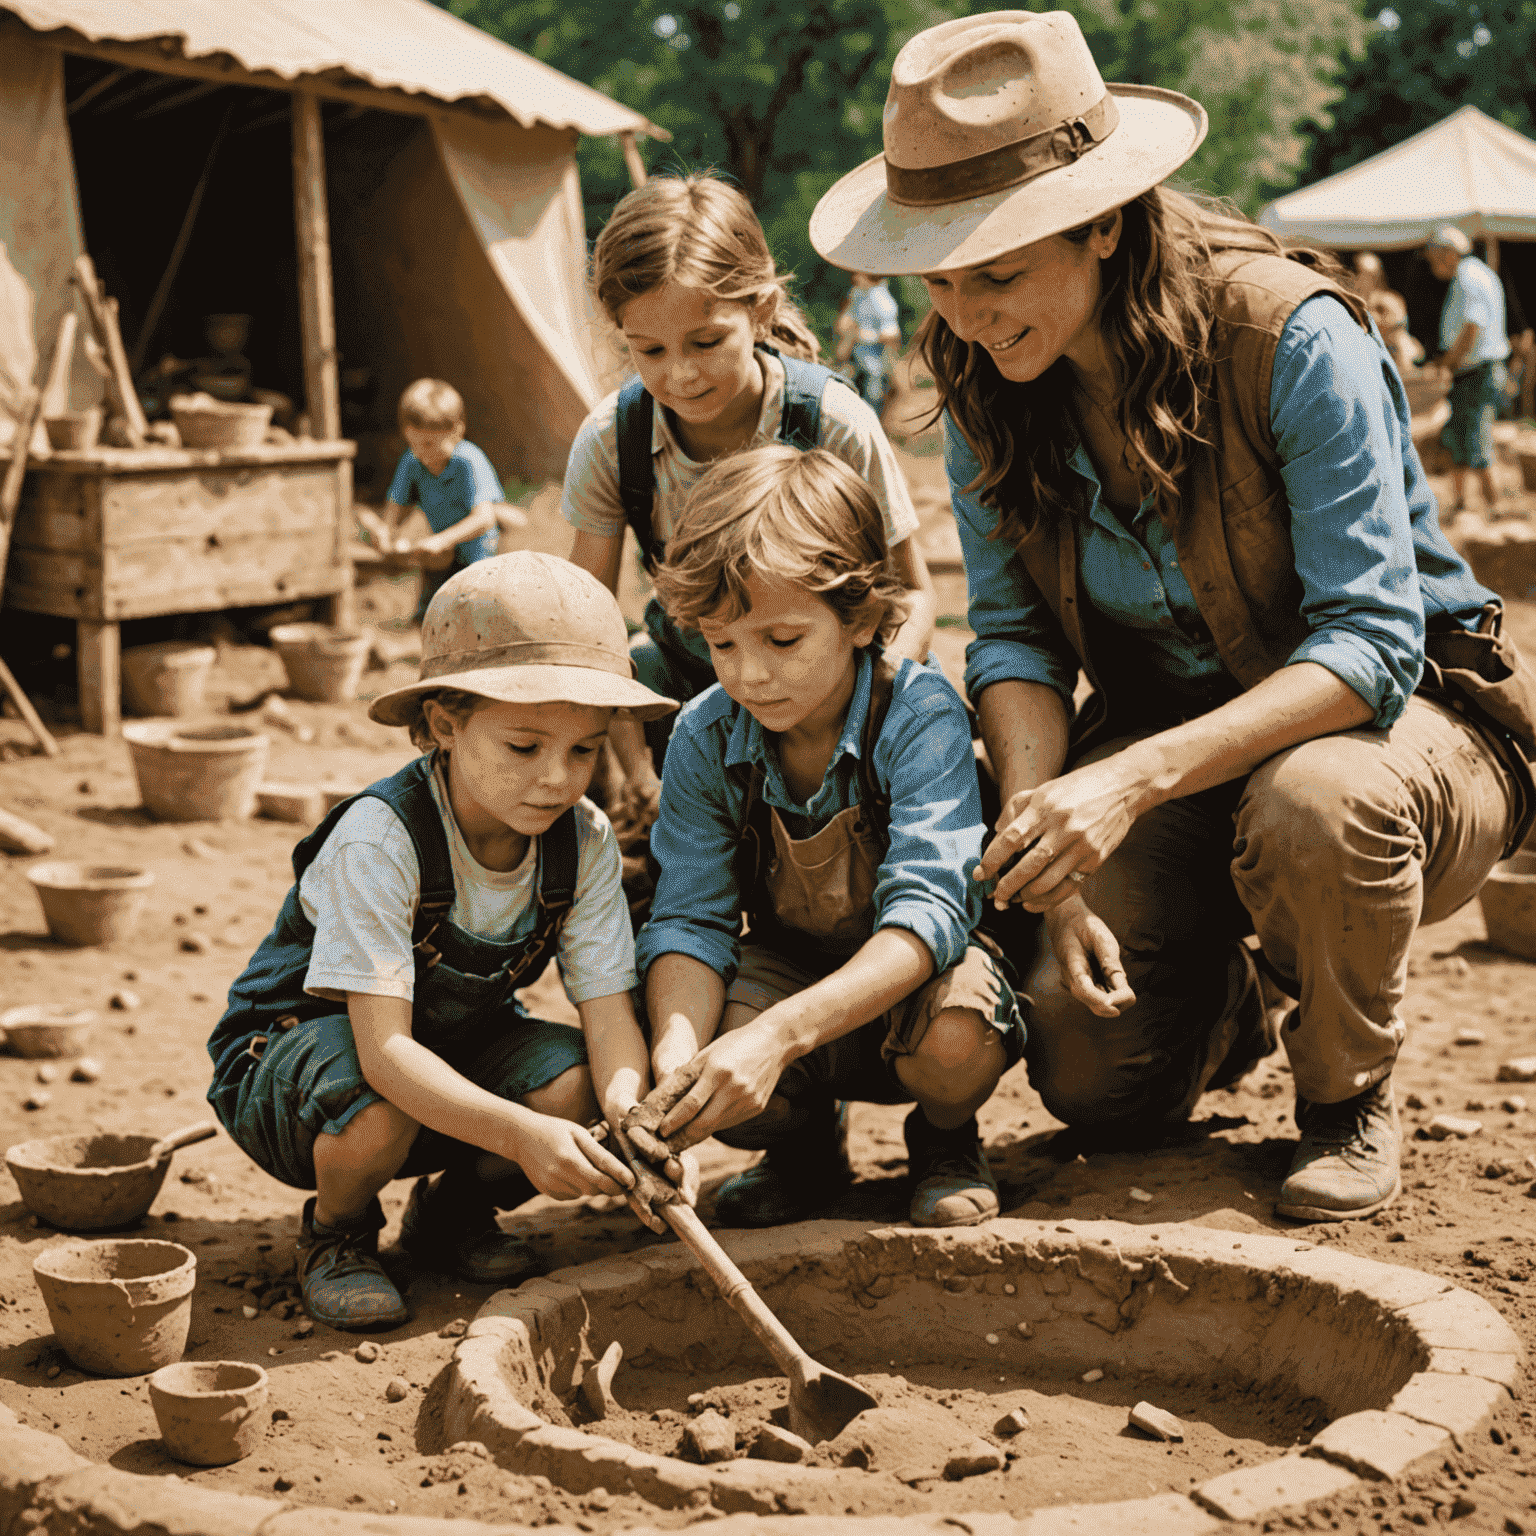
528, 653
1010, 166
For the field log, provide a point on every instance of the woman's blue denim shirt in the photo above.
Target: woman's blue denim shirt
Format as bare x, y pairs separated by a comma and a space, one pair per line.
923, 759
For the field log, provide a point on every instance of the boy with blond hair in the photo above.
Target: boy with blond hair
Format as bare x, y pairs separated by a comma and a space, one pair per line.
450, 479
830, 796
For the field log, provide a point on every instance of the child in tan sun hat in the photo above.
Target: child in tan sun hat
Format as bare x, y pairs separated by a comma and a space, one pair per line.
374, 1034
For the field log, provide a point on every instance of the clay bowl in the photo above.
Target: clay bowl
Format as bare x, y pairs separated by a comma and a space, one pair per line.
86, 904
121, 1307
46, 1030
95, 1183
208, 1410
1508, 899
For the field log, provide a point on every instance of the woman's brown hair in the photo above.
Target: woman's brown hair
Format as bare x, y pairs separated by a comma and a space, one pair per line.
806, 519
1156, 314
702, 232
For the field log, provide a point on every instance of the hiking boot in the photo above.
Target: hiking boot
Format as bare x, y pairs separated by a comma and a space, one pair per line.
343, 1283
796, 1178
451, 1226
953, 1187
1347, 1163
1246, 1020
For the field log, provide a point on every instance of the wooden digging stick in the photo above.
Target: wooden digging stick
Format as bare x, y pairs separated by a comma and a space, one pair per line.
102, 312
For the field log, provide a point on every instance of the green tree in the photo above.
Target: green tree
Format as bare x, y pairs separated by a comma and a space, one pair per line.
1423, 60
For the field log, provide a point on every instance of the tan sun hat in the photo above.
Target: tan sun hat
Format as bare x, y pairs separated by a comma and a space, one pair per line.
525, 628
999, 131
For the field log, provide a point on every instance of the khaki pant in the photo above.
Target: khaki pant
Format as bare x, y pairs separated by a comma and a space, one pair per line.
1342, 847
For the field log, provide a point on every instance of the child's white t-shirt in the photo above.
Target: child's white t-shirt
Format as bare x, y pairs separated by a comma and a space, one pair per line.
362, 889
849, 428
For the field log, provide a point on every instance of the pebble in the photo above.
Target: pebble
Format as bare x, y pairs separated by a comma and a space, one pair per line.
366, 1352
359, 1417
123, 1000
1522, 1069
47, 1073
992, 1338
775, 1444
974, 1460
1470, 1037
396, 1389
249, 1312
194, 943
279, 1414
1094, 1375
1513, 1105
1141, 1195
282, 1482
1023, 1328
53, 1372
710, 1438
305, 1328
86, 1070
454, 1330
1009, 1288
1453, 1125
40, 1099
1157, 1422
1011, 1424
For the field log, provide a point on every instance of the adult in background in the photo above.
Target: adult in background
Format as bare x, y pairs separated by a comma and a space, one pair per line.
1474, 346
1181, 461
876, 333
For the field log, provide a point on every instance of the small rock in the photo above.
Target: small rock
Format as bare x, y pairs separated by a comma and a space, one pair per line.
359, 1417
1513, 1105
1470, 1037
384, 1434
1011, 1424
709, 1437
1522, 1069
992, 1338
1094, 1375
974, 1460
86, 1070
249, 1312
1140, 1195
53, 1372
1023, 1328
47, 1073
305, 1328
1497, 1170
279, 1414
282, 1482
367, 1352
124, 1000
1453, 1125
396, 1389
39, 1099
597, 1382
1009, 1288
1413, 1101
696, 1399
1474, 1106
1156, 1422
775, 1444
454, 1330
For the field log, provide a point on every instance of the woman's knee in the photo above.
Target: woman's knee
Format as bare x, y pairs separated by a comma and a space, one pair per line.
567, 1097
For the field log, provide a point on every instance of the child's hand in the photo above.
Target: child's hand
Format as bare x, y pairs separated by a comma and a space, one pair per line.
1087, 951
651, 1190
565, 1161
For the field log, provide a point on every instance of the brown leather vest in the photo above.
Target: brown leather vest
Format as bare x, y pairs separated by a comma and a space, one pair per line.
1232, 524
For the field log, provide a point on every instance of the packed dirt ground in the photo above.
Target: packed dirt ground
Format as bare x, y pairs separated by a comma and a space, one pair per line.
366, 1434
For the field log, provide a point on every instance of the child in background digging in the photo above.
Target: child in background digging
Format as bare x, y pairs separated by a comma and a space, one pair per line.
374, 1034
828, 792
724, 360
452, 482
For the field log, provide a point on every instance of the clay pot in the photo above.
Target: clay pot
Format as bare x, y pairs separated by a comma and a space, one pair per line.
208, 1412
95, 1183
90, 903
324, 664
196, 773
227, 332
73, 431
204, 422
121, 1307
1508, 899
47, 1030
167, 679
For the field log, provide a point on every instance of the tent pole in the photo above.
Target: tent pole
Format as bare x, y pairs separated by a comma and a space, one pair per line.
317, 309
632, 161
1491, 246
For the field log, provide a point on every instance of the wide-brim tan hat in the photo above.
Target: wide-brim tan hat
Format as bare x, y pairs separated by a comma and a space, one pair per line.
999, 131
525, 628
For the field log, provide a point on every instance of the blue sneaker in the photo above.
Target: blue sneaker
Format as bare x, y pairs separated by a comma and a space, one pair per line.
796, 1178
451, 1226
343, 1283
954, 1187
1347, 1163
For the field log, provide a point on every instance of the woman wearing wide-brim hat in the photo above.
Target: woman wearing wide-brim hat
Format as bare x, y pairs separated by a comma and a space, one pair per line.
1181, 460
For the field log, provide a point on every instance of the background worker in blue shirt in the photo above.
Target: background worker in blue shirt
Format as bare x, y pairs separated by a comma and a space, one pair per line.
1474, 346
876, 332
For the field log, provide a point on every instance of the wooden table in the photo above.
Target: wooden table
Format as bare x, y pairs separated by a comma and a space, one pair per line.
121, 533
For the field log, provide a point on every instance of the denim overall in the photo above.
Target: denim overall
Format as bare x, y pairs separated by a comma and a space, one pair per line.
285, 1066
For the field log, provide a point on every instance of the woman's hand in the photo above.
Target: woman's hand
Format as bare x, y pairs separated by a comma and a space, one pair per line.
1083, 945
565, 1161
1064, 829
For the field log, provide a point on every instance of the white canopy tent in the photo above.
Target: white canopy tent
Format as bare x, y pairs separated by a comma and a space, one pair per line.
1467, 170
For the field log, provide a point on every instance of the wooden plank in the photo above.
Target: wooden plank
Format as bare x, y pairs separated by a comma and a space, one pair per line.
53, 581
317, 308
56, 387
224, 505
98, 668
16, 466
29, 715
154, 458
102, 313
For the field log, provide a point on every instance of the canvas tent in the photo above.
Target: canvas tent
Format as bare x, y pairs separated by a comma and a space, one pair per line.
386, 190
1467, 170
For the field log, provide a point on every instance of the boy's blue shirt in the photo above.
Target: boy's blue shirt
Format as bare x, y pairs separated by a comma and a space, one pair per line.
923, 760
467, 480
